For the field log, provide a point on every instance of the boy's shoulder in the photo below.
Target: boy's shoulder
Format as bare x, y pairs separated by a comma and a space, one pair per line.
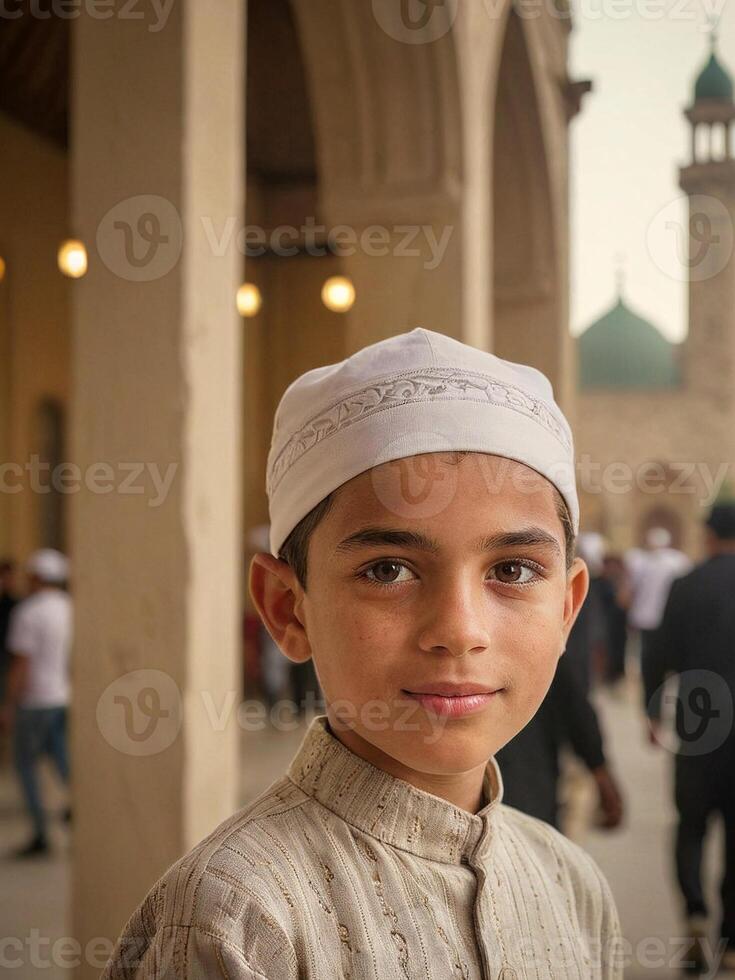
237, 852
224, 898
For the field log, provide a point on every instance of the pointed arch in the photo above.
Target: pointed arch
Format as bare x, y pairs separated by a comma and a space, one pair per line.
528, 228
386, 113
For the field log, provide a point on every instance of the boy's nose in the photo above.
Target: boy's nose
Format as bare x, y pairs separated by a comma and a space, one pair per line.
455, 621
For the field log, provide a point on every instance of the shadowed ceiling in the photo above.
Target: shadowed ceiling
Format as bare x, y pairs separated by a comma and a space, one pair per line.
34, 86
34, 73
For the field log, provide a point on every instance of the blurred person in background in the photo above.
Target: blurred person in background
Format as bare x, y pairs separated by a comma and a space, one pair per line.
613, 589
305, 688
8, 599
529, 763
651, 572
696, 643
588, 644
37, 690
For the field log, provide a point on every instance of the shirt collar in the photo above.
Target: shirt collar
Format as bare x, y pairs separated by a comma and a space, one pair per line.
389, 808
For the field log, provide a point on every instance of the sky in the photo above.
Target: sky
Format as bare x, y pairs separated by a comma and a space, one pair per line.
627, 144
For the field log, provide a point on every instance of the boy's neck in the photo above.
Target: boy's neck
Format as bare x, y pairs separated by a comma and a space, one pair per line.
462, 789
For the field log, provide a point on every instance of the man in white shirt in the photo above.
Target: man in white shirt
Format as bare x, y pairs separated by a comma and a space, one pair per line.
651, 574
37, 692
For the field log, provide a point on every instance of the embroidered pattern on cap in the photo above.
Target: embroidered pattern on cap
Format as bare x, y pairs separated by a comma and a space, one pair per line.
409, 387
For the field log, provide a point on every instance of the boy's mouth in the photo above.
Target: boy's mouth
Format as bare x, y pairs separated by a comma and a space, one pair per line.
452, 699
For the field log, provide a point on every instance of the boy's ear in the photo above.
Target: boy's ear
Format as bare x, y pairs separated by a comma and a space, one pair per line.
578, 583
278, 597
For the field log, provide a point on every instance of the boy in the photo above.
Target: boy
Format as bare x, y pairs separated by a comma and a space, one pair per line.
423, 511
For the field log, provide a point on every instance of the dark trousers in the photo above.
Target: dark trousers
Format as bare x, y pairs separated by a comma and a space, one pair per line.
705, 785
617, 640
649, 672
37, 732
304, 685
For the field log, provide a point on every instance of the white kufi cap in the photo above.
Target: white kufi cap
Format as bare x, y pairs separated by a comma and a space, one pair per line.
418, 392
49, 566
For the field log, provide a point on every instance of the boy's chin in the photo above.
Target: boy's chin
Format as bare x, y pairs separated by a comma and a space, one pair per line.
443, 752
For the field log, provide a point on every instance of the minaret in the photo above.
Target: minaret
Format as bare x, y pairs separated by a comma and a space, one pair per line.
709, 180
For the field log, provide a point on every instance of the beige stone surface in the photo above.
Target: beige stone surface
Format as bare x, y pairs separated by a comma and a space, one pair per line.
157, 372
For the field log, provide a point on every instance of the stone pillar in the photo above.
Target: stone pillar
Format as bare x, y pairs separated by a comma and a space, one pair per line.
157, 131
479, 44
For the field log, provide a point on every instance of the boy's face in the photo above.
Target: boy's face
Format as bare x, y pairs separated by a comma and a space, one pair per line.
477, 602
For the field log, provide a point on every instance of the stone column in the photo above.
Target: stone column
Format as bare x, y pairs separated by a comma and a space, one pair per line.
157, 152
479, 38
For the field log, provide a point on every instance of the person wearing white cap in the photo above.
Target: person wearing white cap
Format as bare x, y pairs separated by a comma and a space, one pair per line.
651, 573
37, 694
423, 519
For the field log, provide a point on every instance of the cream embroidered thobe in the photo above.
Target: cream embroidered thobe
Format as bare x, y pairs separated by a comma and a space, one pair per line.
340, 870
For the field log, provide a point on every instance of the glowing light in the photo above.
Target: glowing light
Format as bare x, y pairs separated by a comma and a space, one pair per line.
249, 299
338, 294
72, 258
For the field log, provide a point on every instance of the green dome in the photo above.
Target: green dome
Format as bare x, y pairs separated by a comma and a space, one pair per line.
713, 82
622, 350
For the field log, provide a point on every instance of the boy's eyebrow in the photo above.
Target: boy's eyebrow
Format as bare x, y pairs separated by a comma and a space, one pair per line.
374, 535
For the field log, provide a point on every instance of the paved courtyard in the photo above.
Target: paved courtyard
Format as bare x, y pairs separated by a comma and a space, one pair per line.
34, 895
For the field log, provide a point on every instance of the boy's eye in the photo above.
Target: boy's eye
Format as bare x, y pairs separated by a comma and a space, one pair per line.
385, 572
514, 573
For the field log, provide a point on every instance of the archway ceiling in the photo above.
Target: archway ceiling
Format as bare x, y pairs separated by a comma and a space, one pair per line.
280, 134
34, 87
34, 73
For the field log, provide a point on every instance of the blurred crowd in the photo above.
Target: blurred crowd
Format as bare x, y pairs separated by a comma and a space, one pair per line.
653, 618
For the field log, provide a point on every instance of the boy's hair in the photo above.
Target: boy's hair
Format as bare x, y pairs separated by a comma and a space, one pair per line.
294, 549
